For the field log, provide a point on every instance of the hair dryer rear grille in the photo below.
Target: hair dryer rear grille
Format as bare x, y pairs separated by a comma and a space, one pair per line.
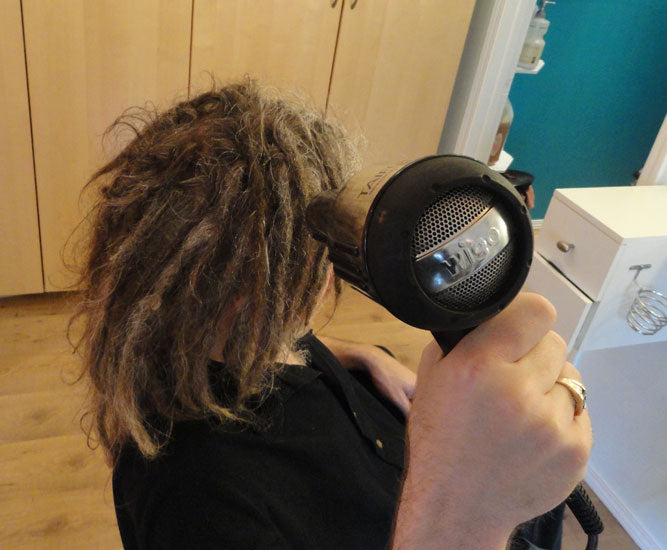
470, 293
447, 216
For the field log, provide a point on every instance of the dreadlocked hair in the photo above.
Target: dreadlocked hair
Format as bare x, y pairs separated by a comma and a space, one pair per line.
202, 211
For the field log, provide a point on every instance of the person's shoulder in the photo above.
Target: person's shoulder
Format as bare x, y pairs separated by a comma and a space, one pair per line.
191, 452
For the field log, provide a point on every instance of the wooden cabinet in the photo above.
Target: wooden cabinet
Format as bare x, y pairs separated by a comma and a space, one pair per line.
87, 62
386, 68
282, 42
20, 263
394, 72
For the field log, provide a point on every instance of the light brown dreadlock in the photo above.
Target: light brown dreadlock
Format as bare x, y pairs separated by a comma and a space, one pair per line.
206, 205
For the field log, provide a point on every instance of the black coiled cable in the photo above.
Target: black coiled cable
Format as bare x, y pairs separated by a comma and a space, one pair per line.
583, 509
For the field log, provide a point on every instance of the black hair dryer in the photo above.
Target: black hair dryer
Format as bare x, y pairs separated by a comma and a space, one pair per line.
443, 243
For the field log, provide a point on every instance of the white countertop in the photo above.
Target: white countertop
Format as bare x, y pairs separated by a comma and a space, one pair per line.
622, 212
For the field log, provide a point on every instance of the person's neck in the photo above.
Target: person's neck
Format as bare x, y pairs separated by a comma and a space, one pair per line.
287, 356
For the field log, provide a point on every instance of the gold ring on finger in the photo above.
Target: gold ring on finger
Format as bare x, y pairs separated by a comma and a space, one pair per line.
577, 391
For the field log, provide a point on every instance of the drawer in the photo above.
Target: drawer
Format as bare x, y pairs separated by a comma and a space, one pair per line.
571, 304
589, 261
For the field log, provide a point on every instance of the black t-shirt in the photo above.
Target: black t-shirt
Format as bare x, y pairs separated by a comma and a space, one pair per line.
325, 473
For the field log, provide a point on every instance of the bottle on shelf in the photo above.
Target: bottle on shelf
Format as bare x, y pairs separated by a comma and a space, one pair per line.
501, 134
531, 53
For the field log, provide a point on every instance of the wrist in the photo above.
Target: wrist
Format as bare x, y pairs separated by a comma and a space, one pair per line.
350, 354
428, 519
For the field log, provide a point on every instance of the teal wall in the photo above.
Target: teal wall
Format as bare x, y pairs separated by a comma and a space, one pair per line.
590, 117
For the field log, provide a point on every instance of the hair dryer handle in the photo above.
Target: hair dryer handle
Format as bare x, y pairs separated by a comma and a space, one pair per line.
447, 339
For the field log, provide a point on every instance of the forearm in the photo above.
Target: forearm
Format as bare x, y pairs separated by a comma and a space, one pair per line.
424, 519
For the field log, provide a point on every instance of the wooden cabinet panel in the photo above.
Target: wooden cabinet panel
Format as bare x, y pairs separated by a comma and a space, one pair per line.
394, 71
87, 62
20, 263
284, 43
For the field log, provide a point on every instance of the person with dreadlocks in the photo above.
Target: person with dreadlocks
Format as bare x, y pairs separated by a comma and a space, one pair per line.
229, 424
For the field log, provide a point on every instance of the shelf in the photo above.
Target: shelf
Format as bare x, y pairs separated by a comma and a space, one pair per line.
537, 69
503, 162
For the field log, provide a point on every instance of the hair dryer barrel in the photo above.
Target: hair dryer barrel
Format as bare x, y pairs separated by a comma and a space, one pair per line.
443, 243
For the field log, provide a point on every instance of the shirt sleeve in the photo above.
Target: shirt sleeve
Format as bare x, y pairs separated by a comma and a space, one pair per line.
195, 518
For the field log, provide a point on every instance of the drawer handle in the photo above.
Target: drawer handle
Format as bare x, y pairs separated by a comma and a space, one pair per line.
564, 247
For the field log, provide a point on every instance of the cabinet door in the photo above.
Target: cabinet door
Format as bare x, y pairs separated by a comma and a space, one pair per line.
572, 305
395, 68
87, 62
282, 42
20, 264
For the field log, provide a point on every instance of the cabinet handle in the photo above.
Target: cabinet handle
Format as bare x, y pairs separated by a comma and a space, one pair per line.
333, 3
564, 247
353, 4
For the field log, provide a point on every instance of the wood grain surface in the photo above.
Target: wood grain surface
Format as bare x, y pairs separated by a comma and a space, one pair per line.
394, 72
87, 63
283, 43
20, 261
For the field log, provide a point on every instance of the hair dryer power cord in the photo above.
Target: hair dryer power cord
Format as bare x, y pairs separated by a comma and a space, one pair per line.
583, 509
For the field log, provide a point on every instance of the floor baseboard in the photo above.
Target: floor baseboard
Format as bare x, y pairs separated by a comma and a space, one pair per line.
620, 511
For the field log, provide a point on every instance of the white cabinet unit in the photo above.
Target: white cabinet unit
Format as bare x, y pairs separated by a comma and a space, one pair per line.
589, 241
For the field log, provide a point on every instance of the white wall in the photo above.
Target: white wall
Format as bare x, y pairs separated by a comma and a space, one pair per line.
488, 64
628, 406
655, 169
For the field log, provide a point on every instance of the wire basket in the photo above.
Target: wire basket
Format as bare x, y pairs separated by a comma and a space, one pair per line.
648, 312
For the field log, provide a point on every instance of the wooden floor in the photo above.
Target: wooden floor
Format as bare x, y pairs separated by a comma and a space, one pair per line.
55, 493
